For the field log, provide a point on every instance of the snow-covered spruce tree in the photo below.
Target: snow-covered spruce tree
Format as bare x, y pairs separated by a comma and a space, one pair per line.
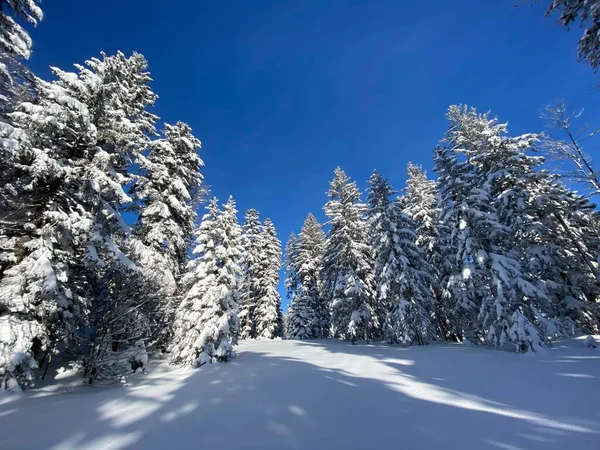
269, 317
15, 47
308, 314
311, 251
490, 274
347, 264
297, 321
206, 322
200, 274
15, 88
13, 38
570, 255
116, 90
540, 215
457, 291
299, 318
168, 191
168, 188
561, 250
250, 262
380, 227
67, 239
421, 203
403, 277
16, 80
16, 196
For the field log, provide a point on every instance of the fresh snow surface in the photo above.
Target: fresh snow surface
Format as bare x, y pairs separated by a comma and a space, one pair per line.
326, 395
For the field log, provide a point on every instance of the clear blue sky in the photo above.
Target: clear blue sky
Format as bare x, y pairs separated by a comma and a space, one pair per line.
280, 93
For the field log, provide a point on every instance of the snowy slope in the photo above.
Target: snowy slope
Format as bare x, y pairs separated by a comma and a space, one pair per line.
330, 395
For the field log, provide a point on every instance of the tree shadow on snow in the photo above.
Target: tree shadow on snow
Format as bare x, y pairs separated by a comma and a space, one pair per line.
348, 397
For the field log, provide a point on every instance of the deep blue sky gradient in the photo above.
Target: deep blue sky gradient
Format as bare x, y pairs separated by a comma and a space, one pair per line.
281, 92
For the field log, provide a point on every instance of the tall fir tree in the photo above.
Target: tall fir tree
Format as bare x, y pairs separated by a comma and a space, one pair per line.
251, 268
169, 193
308, 314
116, 90
15, 154
68, 239
380, 223
297, 323
560, 249
311, 251
404, 279
206, 324
421, 202
348, 267
488, 266
269, 316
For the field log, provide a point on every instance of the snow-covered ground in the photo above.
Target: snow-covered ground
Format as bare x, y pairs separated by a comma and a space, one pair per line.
328, 395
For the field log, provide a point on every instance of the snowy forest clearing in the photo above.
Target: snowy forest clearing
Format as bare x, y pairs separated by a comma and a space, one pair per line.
327, 395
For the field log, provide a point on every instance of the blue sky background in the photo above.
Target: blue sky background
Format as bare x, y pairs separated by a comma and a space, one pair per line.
280, 93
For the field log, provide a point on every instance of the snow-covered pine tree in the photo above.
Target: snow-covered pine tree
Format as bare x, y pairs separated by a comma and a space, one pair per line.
308, 314
168, 191
200, 274
347, 264
15, 46
250, 262
226, 329
457, 291
421, 203
503, 292
561, 249
68, 237
15, 80
13, 38
299, 318
311, 251
297, 323
206, 322
403, 277
16, 197
116, 89
380, 228
269, 317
